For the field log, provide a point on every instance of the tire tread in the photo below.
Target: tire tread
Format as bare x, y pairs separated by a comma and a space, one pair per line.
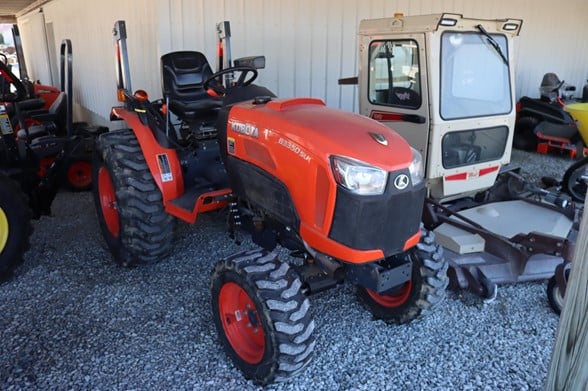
278, 288
146, 228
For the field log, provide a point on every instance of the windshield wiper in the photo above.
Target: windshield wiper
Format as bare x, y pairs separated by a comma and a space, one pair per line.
493, 42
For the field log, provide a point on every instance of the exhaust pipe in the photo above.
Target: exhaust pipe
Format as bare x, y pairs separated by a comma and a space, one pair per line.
331, 267
318, 283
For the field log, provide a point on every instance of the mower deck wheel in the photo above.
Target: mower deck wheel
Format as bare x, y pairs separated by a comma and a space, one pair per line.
261, 316
554, 291
554, 296
575, 180
426, 288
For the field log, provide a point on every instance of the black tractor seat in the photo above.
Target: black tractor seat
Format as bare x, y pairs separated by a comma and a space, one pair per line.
194, 109
30, 104
32, 132
556, 130
47, 146
183, 75
52, 120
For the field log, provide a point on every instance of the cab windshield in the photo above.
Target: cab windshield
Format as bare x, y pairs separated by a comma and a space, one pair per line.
475, 78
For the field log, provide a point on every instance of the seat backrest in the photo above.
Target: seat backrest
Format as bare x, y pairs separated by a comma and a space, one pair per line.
182, 75
59, 110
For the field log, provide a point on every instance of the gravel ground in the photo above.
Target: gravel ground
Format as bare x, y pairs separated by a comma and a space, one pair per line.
72, 319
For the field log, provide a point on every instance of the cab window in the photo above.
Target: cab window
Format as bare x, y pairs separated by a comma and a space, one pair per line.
394, 73
475, 78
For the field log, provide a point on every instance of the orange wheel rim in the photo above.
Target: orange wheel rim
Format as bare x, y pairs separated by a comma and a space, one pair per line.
241, 323
79, 174
107, 198
396, 299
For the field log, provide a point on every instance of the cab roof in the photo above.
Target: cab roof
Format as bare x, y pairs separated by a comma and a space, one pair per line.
433, 22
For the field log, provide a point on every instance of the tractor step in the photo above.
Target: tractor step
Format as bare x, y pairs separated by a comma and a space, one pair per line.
195, 200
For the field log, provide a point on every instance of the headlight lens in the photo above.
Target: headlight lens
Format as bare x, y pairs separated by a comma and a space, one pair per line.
417, 171
359, 177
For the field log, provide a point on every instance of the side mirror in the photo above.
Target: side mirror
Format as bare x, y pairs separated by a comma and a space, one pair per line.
257, 62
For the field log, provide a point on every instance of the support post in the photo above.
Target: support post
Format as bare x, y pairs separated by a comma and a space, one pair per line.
569, 361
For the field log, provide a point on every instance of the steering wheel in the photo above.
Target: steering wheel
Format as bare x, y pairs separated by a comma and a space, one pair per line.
560, 85
215, 81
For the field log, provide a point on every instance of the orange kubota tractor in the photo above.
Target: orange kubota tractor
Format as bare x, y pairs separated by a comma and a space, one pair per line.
339, 190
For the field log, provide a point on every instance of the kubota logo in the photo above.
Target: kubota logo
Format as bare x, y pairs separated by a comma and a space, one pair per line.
246, 129
380, 138
401, 181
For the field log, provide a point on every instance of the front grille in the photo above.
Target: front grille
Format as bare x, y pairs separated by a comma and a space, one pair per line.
378, 222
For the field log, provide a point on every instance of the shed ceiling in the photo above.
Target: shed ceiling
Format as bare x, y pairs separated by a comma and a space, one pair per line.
10, 8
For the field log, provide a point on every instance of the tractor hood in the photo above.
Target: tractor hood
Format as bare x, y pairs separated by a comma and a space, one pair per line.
308, 129
286, 157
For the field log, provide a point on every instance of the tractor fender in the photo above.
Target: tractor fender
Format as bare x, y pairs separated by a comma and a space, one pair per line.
163, 163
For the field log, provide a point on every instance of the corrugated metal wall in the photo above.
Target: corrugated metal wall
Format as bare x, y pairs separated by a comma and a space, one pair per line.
308, 44
32, 30
89, 24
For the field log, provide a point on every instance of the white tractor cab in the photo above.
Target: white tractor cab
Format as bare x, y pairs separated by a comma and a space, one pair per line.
446, 84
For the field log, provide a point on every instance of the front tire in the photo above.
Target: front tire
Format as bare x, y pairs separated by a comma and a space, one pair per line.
129, 205
15, 226
261, 316
425, 290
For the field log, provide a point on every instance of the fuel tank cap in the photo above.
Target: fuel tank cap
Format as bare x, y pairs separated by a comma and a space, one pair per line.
261, 100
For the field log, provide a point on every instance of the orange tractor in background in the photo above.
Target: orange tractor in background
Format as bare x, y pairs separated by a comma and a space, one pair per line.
40, 149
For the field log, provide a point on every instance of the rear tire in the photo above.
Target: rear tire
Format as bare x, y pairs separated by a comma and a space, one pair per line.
15, 226
261, 316
426, 289
524, 136
78, 175
129, 205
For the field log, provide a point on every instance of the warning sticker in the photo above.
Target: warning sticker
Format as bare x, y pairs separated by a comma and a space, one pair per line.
164, 168
231, 145
5, 126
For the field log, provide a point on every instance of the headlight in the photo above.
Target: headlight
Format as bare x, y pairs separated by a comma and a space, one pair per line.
417, 171
359, 177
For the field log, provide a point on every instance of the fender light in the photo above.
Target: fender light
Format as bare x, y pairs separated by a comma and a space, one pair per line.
359, 177
416, 168
141, 95
120, 95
